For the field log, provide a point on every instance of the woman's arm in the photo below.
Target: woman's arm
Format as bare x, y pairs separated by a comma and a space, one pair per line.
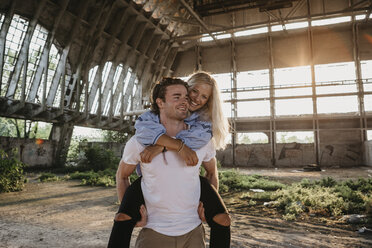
122, 178
198, 134
149, 130
212, 172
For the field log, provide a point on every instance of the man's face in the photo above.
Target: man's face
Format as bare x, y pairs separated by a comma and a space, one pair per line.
176, 102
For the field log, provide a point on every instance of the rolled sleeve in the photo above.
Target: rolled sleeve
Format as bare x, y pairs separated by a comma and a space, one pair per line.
197, 136
148, 128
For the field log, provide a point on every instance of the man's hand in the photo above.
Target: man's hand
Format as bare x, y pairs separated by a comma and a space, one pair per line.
150, 152
201, 212
143, 220
188, 155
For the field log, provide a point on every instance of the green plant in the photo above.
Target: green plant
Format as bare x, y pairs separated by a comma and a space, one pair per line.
11, 173
48, 177
98, 158
117, 136
106, 181
235, 181
328, 182
326, 197
289, 217
100, 178
322, 200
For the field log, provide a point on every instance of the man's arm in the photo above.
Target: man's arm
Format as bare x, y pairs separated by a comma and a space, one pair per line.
212, 172
122, 178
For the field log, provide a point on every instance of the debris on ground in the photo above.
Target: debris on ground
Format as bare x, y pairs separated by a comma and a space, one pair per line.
354, 218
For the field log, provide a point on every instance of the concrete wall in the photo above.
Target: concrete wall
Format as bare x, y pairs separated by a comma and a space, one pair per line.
337, 149
259, 155
367, 153
341, 149
32, 152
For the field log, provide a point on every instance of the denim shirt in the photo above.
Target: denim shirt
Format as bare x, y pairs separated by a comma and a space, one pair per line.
149, 129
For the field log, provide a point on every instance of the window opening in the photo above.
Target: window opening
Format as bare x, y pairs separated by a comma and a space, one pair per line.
298, 137
252, 138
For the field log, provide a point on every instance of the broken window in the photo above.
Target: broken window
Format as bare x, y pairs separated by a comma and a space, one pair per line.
298, 137
252, 138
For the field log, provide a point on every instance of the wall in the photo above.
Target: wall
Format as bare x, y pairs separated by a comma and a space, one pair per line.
337, 149
367, 153
340, 149
259, 155
32, 152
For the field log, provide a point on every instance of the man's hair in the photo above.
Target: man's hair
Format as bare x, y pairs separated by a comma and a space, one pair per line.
160, 88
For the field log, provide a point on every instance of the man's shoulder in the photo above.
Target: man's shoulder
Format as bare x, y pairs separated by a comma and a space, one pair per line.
208, 147
133, 143
148, 116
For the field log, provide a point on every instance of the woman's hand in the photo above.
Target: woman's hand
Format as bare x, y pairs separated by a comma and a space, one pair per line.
188, 155
143, 220
150, 152
201, 212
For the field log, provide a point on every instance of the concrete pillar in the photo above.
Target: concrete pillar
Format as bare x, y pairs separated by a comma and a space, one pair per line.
234, 96
272, 136
61, 133
315, 108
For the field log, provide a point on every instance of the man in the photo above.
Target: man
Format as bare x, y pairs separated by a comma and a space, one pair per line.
171, 189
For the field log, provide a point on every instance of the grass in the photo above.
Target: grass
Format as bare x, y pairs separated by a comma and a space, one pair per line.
232, 180
48, 177
324, 198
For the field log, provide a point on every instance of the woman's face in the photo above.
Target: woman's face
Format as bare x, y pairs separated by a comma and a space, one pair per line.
199, 95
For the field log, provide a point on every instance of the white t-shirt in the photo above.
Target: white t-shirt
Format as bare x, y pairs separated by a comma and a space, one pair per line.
171, 189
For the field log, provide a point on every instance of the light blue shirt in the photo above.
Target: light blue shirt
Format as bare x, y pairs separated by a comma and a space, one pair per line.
149, 129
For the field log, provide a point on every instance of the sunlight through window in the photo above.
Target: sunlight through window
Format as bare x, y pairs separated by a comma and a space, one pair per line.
335, 78
330, 21
252, 138
251, 32
223, 80
294, 106
366, 66
218, 36
290, 26
340, 104
369, 134
226, 109
13, 41
259, 78
298, 137
368, 103
293, 75
360, 17
253, 108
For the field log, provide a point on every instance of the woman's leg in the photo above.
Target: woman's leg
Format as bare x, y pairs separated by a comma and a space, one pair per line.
216, 215
127, 217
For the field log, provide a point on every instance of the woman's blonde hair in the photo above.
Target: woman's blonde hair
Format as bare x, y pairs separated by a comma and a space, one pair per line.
212, 110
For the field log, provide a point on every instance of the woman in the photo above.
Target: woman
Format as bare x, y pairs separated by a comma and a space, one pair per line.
205, 106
